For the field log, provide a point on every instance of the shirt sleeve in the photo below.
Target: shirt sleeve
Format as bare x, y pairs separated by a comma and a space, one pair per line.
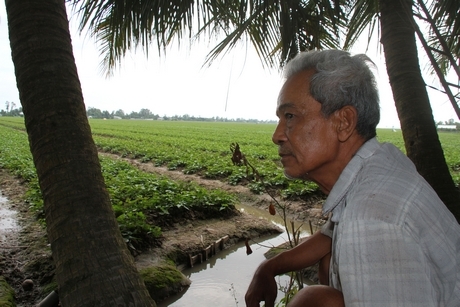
379, 264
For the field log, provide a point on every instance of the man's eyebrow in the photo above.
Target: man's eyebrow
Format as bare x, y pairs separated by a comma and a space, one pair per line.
285, 106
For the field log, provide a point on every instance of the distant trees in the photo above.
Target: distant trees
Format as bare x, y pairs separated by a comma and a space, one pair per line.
444, 125
94, 113
142, 114
120, 113
11, 109
147, 114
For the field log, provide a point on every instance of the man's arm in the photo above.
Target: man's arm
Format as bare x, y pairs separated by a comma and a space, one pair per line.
263, 286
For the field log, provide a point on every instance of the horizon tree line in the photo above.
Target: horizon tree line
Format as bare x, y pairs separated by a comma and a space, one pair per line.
147, 114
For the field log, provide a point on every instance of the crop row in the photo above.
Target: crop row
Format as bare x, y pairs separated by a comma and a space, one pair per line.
203, 148
141, 201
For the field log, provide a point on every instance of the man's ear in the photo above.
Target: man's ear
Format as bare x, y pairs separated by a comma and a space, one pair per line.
347, 119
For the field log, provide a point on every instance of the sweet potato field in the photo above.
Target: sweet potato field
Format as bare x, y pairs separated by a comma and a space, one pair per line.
142, 199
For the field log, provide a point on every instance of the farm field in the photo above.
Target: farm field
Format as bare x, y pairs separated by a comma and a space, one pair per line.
201, 148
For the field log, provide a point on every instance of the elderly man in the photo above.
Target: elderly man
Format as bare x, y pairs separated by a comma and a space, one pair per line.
390, 241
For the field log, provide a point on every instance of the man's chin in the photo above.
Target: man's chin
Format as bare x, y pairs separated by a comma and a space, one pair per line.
291, 176
295, 176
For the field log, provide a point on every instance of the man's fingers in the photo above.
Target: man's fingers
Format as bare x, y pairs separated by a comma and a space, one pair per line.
252, 303
257, 304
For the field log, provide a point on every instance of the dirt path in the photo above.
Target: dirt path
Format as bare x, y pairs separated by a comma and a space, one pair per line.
25, 259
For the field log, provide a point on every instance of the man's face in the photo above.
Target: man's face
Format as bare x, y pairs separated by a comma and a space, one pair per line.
307, 141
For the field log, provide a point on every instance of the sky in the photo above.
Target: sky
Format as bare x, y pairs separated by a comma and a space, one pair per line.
234, 86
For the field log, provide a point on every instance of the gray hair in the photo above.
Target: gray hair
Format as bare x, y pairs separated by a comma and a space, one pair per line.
341, 80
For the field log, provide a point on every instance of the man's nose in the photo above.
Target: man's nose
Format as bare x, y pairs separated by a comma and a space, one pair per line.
279, 136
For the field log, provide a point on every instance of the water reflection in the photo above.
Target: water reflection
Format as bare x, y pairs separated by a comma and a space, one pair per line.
8, 220
223, 279
304, 227
226, 283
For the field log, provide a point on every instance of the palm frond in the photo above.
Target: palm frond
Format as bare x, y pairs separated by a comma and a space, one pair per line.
444, 36
121, 25
278, 30
363, 14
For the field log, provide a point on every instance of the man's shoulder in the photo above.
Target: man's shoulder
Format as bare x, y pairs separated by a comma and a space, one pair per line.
386, 164
388, 186
379, 181
369, 172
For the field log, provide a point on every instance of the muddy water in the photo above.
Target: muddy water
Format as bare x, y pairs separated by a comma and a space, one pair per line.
304, 227
8, 222
223, 279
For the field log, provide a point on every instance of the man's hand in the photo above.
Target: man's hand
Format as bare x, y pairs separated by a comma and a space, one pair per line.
263, 288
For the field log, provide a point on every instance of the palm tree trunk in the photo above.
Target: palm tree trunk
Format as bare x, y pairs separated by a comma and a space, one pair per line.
409, 92
93, 264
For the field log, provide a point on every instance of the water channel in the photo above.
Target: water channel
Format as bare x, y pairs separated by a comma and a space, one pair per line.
8, 222
223, 279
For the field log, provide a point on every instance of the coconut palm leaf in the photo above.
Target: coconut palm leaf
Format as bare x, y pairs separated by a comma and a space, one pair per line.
277, 29
122, 25
444, 34
362, 15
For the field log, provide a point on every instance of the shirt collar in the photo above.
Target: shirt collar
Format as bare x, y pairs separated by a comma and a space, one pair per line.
346, 178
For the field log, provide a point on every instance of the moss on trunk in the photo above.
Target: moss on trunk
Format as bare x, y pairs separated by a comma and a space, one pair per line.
163, 281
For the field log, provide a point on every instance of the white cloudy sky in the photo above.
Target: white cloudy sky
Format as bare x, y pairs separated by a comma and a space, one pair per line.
236, 86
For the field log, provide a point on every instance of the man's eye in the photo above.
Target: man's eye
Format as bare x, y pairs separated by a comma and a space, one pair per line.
288, 115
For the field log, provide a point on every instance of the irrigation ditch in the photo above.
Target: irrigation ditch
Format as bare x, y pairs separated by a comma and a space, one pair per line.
27, 271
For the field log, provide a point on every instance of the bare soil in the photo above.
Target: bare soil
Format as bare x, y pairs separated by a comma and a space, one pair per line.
26, 254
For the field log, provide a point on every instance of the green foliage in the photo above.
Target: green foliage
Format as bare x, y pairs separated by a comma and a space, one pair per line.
197, 148
300, 189
141, 201
289, 292
202, 148
450, 142
133, 191
6, 294
15, 156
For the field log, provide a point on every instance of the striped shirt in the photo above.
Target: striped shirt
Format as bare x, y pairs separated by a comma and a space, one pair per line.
394, 241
